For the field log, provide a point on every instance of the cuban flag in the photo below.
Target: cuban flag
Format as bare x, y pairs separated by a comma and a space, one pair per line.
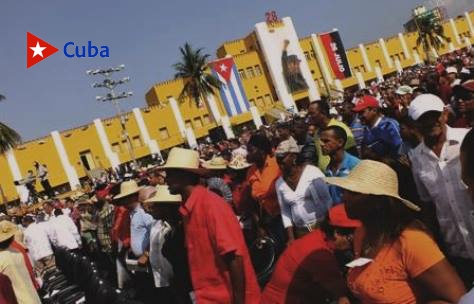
231, 92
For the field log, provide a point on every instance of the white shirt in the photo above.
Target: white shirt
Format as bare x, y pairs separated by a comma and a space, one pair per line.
438, 179
67, 233
37, 241
161, 267
308, 203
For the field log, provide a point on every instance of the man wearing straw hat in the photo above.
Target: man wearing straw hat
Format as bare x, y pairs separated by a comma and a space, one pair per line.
12, 264
217, 167
121, 227
168, 258
220, 266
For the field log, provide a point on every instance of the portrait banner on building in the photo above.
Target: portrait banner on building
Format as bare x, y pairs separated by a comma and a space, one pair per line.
286, 62
336, 53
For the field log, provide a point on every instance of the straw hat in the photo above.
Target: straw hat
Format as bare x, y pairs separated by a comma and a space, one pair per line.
7, 230
127, 188
163, 195
372, 177
216, 163
239, 162
183, 159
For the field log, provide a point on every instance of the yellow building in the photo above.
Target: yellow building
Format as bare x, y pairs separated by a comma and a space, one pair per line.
165, 122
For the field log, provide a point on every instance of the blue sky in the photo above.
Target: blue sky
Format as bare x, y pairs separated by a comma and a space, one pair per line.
145, 35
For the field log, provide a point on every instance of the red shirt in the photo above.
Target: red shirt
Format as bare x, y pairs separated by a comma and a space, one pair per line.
242, 198
18, 247
306, 272
212, 231
121, 227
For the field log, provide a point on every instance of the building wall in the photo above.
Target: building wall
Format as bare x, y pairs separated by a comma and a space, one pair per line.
161, 124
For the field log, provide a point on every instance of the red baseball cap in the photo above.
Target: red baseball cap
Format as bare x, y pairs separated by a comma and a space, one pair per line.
338, 217
365, 102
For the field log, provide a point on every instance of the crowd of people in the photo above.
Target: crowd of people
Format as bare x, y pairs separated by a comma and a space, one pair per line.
365, 199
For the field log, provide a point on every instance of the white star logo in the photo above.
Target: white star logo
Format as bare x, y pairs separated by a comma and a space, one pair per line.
223, 67
38, 50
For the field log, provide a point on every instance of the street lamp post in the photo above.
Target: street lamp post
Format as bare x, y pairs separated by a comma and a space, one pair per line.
110, 84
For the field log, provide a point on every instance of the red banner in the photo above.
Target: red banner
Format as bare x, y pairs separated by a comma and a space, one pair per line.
336, 54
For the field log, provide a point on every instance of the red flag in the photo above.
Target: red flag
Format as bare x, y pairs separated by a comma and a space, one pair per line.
37, 49
336, 53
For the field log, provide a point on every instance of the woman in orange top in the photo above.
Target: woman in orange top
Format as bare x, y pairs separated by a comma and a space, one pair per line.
402, 264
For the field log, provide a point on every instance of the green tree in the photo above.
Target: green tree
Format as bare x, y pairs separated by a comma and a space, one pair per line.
9, 138
192, 68
430, 35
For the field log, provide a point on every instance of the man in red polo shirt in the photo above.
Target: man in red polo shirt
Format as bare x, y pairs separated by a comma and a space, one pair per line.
219, 262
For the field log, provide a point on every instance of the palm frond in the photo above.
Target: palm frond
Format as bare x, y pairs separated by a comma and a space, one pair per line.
192, 68
9, 138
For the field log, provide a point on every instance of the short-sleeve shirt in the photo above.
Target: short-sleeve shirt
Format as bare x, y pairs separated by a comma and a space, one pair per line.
384, 138
262, 184
387, 279
323, 160
306, 272
438, 180
212, 231
348, 163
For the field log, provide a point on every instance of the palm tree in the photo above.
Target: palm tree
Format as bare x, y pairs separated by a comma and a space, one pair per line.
9, 138
430, 35
198, 82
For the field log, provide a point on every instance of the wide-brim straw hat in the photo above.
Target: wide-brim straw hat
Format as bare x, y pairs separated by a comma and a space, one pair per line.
163, 195
372, 177
183, 159
216, 163
7, 230
127, 188
239, 162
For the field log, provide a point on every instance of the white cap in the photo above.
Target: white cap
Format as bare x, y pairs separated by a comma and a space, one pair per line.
425, 103
451, 69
